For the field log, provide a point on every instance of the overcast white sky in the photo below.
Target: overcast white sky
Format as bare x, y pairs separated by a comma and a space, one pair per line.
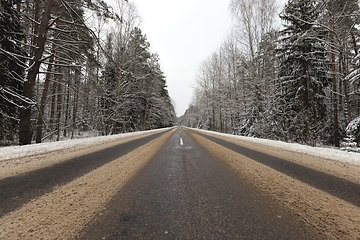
184, 33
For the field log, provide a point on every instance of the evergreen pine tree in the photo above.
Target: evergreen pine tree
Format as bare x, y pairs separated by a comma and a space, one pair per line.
109, 80
138, 63
303, 71
11, 69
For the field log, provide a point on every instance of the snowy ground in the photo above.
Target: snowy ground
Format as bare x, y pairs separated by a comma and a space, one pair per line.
34, 149
324, 153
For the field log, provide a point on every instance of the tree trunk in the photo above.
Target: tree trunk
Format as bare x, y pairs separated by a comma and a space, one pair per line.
59, 108
76, 99
145, 116
67, 103
52, 108
341, 77
336, 134
221, 119
356, 53
35, 25
213, 128
25, 132
346, 92
40, 118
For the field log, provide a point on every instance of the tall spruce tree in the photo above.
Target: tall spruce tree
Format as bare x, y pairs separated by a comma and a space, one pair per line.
109, 97
11, 69
303, 71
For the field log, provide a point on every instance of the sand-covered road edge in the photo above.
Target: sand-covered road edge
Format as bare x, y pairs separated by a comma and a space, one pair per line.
15, 166
340, 169
62, 214
331, 217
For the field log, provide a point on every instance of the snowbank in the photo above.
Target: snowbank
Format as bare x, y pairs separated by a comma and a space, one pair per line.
34, 149
325, 153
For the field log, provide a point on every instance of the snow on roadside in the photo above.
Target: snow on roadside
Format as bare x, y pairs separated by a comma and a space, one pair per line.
12, 152
325, 153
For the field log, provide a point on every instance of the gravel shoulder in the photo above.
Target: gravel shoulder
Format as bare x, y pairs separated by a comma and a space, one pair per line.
326, 214
62, 213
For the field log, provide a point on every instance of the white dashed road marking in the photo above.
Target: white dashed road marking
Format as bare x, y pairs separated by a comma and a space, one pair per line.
181, 142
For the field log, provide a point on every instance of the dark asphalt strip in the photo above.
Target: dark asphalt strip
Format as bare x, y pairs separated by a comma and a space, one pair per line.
338, 187
186, 193
20, 189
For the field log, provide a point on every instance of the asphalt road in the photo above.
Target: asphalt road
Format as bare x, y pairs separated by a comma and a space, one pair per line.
17, 190
182, 192
186, 193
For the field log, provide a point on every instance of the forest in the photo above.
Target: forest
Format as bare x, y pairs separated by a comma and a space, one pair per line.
74, 67
298, 81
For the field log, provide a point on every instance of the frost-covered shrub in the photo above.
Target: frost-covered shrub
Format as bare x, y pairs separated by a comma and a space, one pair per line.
353, 129
351, 141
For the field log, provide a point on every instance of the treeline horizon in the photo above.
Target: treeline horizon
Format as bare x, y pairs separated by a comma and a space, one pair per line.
300, 83
74, 66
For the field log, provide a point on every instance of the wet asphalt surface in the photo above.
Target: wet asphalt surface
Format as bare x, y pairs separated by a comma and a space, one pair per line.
20, 189
338, 187
186, 193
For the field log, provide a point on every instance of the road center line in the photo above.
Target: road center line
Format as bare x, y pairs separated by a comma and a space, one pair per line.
181, 142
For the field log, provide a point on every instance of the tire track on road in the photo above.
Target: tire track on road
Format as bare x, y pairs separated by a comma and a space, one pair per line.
326, 214
184, 192
62, 213
338, 187
20, 189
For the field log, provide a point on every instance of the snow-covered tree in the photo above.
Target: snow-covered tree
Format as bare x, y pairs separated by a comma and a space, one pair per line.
12, 61
303, 71
57, 68
352, 138
300, 84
